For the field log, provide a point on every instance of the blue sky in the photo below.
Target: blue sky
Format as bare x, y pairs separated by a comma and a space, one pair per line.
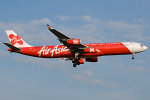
113, 77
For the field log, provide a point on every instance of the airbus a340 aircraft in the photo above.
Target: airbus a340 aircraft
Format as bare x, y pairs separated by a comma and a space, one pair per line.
72, 49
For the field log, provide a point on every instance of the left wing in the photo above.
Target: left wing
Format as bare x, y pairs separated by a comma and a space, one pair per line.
73, 44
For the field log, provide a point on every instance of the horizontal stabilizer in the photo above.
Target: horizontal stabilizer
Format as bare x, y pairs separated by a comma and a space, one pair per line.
12, 47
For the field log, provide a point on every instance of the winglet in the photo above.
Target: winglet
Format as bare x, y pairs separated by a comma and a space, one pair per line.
49, 27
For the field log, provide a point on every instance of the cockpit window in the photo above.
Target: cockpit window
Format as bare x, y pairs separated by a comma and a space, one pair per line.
141, 45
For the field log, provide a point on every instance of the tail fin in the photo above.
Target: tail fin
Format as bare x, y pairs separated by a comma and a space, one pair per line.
16, 40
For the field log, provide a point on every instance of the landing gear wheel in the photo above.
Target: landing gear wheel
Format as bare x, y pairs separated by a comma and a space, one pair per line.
132, 57
78, 63
74, 65
73, 61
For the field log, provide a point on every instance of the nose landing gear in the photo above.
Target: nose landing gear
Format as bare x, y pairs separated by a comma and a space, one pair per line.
133, 56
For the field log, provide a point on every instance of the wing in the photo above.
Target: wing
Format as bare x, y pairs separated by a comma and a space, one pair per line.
58, 34
73, 44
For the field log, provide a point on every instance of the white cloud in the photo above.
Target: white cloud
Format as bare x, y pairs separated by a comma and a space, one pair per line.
2, 53
118, 25
44, 62
88, 72
141, 20
93, 81
34, 31
125, 30
136, 68
137, 36
140, 61
106, 31
87, 18
85, 79
63, 17
41, 21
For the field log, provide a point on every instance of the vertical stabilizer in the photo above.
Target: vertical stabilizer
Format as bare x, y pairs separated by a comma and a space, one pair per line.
16, 40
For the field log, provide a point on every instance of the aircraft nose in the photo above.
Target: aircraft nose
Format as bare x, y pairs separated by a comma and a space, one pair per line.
145, 47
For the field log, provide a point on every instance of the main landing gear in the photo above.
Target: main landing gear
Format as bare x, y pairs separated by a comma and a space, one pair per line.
75, 61
133, 56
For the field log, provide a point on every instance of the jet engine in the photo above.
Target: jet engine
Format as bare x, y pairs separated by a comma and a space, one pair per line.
81, 61
74, 41
93, 59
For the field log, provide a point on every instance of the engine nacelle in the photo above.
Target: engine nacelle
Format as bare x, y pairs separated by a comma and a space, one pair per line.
90, 50
74, 41
81, 61
93, 59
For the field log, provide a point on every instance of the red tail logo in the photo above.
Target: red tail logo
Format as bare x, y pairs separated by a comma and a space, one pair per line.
15, 39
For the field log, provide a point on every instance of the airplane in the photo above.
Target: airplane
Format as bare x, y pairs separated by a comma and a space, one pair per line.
72, 49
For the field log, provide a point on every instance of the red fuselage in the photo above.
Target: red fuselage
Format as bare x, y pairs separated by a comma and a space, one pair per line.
58, 51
